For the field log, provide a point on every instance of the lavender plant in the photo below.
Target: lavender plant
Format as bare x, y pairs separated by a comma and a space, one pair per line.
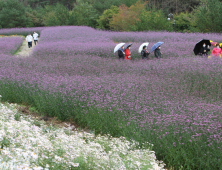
9, 45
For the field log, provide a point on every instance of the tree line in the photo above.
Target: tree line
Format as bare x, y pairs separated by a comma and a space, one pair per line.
124, 15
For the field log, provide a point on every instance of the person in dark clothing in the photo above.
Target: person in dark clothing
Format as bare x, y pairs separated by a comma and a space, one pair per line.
204, 50
145, 53
121, 53
157, 52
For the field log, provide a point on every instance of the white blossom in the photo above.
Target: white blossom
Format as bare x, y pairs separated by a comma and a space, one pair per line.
27, 146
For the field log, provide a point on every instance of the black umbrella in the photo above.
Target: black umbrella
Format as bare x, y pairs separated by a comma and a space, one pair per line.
199, 45
127, 46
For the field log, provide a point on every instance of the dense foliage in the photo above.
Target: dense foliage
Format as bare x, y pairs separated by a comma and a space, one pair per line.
173, 103
125, 15
12, 14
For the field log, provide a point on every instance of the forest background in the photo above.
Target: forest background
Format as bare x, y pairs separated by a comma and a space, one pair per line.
115, 15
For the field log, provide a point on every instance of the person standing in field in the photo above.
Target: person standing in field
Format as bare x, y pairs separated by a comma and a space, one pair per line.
128, 53
35, 36
29, 40
204, 50
216, 52
121, 53
145, 53
157, 52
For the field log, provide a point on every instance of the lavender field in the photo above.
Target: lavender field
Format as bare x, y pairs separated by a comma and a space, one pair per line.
173, 103
10, 45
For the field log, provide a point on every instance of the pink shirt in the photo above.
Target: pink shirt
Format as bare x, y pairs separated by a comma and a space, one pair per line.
216, 51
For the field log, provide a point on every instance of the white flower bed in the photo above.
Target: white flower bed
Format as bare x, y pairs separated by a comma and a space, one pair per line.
23, 145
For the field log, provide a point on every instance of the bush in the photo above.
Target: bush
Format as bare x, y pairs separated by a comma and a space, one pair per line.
208, 16
36, 16
56, 15
102, 5
154, 20
185, 22
127, 18
13, 14
83, 14
137, 18
107, 16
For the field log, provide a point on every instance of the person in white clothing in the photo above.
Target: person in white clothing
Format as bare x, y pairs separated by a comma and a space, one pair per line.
29, 40
35, 36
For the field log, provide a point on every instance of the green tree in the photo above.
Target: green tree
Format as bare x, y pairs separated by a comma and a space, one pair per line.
185, 22
107, 16
83, 13
127, 17
13, 14
102, 5
208, 16
173, 6
154, 20
36, 16
56, 15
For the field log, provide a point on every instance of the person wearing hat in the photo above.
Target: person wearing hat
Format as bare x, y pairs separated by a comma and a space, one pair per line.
29, 40
127, 53
145, 53
35, 36
216, 52
121, 53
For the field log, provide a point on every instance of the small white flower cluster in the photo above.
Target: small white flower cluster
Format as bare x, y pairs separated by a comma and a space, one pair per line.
26, 146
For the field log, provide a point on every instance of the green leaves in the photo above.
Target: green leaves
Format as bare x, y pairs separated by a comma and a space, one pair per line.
12, 14
56, 15
83, 14
154, 20
208, 16
107, 16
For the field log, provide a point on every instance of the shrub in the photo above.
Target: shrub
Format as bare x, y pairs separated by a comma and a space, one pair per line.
107, 16
56, 15
83, 14
154, 20
12, 14
185, 22
208, 16
126, 19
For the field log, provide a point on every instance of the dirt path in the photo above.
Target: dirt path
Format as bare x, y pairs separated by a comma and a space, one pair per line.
24, 51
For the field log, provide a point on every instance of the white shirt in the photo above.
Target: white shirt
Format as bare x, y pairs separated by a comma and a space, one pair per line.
29, 38
35, 36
